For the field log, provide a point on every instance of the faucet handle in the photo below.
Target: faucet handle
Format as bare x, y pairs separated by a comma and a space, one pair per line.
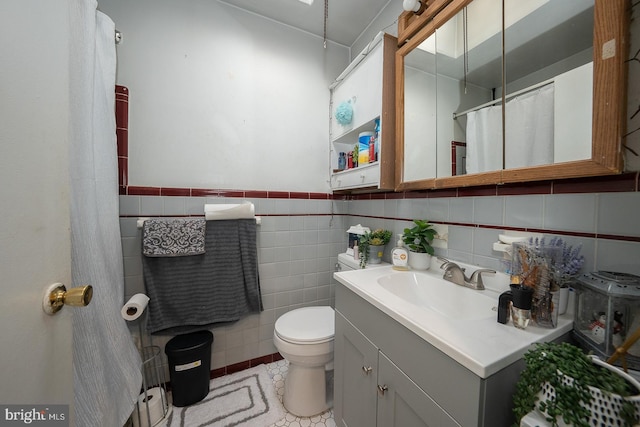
476, 276
444, 262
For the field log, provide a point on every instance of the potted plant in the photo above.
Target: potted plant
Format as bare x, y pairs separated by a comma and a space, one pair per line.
568, 388
418, 239
372, 246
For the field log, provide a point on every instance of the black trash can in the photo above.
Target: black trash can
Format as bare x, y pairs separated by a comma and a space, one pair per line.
189, 365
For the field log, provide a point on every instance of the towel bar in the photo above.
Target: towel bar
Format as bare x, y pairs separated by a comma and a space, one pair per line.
141, 221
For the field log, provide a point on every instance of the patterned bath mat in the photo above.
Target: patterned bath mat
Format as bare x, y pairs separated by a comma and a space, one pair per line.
247, 398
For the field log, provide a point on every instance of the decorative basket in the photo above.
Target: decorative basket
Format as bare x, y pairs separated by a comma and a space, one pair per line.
604, 407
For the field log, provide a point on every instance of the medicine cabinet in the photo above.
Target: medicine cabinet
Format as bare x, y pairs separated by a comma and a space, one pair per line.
488, 95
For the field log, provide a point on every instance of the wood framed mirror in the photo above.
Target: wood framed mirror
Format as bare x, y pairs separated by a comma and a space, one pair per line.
490, 49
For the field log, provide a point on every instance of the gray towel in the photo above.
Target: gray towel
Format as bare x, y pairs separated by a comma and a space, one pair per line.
173, 237
221, 285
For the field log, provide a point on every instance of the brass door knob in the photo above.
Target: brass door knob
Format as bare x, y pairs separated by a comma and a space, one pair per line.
56, 296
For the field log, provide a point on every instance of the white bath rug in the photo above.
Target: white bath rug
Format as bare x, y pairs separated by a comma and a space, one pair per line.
247, 398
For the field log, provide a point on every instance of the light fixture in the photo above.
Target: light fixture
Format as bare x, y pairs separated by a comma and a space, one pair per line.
410, 5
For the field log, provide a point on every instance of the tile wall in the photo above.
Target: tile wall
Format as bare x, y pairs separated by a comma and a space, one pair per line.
298, 243
301, 235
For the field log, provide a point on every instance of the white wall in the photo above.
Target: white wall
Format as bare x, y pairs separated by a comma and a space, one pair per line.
386, 21
221, 98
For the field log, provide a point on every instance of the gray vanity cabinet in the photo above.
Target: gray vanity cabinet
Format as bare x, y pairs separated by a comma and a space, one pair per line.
402, 403
355, 376
386, 376
370, 390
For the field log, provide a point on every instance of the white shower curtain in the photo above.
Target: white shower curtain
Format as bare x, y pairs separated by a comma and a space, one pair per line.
107, 376
529, 129
528, 133
484, 139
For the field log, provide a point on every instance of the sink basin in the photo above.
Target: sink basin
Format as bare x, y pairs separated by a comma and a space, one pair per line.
441, 296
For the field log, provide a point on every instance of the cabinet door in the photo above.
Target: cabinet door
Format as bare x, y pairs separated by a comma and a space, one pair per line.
401, 403
355, 364
363, 89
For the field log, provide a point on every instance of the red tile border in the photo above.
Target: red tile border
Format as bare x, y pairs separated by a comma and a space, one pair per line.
488, 190
319, 196
602, 184
230, 193
143, 191
203, 192
122, 138
447, 192
394, 196
278, 194
296, 195
257, 194
237, 367
519, 189
619, 183
175, 192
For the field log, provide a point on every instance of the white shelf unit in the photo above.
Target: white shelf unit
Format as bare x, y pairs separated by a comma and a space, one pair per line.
368, 83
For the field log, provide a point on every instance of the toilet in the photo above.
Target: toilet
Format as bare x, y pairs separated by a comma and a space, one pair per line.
304, 337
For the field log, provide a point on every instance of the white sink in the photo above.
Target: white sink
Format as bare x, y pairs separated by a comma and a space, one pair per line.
441, 296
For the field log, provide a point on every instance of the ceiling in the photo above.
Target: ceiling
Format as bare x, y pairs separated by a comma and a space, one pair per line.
347, 19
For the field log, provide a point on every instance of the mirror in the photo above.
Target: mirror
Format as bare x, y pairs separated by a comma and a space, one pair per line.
453, 130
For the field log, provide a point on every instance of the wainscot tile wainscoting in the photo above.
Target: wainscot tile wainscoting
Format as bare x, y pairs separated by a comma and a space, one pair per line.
302, 233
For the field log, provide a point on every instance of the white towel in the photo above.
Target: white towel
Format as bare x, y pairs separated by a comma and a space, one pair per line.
220, 211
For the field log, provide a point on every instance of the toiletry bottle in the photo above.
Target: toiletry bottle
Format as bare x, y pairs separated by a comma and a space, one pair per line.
400, 256
356, 251
342, 161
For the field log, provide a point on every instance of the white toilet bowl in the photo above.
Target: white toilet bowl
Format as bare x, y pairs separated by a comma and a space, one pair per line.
304, 337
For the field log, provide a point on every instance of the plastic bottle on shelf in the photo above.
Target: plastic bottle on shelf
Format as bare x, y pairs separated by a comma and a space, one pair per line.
376, 143
342, 161
372, 150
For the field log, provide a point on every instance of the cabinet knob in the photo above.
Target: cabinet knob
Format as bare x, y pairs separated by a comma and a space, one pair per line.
382, 389
367, 370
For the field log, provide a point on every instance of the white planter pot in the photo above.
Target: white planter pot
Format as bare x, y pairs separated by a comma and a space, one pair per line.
419, 260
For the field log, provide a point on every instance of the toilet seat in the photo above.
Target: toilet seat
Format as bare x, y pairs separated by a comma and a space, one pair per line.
308, 325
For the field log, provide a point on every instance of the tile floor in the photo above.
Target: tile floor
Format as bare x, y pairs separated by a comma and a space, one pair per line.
278, 372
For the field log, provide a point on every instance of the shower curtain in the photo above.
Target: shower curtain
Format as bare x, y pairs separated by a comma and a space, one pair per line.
529, 129
528, 133
484, 139
106, 363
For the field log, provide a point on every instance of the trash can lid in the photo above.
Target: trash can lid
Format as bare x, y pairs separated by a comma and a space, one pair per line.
190, 341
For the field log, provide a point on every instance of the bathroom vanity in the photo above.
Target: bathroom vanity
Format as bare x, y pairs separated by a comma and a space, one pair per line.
399, 362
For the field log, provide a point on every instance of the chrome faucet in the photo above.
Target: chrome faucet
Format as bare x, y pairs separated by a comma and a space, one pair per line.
455, 274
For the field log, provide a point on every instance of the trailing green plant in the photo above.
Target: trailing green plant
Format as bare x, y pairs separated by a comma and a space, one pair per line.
549, 363
377, 237
419, 238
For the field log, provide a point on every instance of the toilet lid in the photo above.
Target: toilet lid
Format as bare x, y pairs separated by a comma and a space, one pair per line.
308, 324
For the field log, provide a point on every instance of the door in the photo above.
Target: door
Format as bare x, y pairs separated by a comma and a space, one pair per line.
401, 403
356, 369
35, 348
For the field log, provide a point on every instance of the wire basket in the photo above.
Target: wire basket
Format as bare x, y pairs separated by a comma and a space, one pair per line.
604, 407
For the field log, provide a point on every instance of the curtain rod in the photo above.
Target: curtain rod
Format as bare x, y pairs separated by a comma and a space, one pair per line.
511, 95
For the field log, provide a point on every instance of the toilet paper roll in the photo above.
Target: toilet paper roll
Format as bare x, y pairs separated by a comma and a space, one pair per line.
214, 212
134, 307
154, 400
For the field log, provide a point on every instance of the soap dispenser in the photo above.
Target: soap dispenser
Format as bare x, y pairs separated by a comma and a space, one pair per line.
400, 256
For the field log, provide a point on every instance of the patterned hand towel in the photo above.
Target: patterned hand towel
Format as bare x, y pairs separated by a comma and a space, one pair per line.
164, 237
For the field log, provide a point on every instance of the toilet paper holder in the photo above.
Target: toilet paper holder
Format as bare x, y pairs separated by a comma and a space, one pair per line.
56, 296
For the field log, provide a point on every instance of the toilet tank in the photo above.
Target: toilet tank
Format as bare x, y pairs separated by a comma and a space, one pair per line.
347, 262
